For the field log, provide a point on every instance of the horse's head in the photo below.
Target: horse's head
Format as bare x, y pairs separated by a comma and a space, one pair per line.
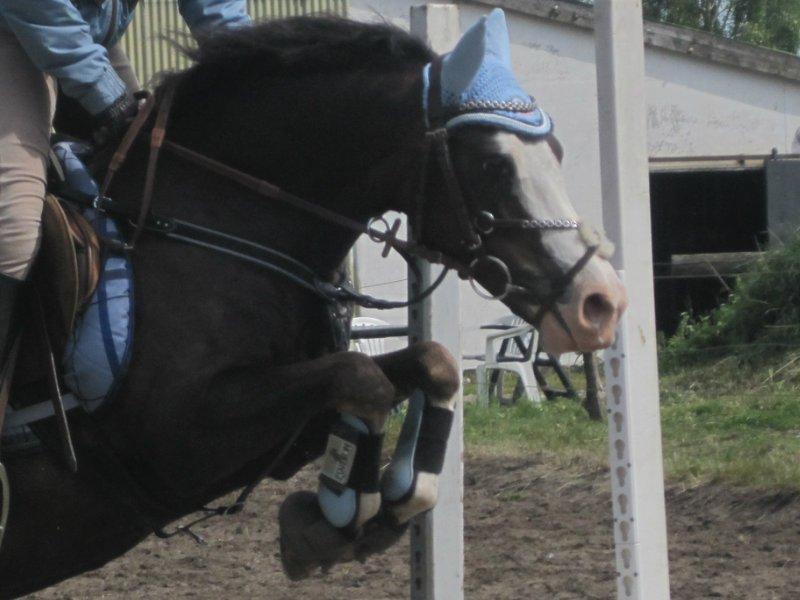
506, 215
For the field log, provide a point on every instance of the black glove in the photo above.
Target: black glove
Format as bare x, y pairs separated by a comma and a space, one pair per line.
111, 124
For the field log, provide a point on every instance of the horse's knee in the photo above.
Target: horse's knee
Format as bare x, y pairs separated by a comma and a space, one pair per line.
438, 368
360, 375
361, 387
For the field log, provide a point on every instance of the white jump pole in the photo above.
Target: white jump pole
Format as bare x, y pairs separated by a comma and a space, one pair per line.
437, 537
631, 364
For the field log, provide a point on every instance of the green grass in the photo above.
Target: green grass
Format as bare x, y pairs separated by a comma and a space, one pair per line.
732, 421
559, 429
750, 440
723, 423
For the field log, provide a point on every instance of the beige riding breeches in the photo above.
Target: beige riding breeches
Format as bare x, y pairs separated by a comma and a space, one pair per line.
27, 107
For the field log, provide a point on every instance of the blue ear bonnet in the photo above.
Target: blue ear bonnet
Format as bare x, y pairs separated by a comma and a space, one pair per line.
475, 85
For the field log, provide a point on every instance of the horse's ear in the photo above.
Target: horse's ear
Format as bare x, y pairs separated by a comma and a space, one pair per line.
478, 86
498, 42
488, 37
463, 63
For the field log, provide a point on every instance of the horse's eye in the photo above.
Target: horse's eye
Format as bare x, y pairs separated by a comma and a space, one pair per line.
498, 166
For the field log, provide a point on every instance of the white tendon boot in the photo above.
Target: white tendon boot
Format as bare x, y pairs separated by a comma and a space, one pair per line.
410, 484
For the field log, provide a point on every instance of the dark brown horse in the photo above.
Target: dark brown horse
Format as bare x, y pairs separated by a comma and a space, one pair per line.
231, 360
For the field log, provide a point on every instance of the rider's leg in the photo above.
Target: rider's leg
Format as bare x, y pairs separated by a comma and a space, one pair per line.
27, 98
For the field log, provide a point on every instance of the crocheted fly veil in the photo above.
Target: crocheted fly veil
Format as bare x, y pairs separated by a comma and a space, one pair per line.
475, 85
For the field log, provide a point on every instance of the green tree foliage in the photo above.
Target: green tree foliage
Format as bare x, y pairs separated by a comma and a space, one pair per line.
771, 23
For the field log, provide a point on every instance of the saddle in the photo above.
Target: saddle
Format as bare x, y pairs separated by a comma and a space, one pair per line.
68, 265
64, 278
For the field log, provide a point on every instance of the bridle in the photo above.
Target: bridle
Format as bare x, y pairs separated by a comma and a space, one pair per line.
477, 225
474, 227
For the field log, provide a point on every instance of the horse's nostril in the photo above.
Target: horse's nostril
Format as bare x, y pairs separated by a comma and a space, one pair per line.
597, 310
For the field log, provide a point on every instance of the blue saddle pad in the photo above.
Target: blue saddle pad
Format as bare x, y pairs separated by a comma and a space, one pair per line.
99, 349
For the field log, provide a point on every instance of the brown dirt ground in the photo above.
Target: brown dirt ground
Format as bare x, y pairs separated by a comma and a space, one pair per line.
531, 532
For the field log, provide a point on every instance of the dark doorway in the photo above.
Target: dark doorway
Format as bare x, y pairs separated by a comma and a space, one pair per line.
701, 212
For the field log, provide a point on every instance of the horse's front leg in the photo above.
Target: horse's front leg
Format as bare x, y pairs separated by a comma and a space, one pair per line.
429, 370
319, 530
337, 525
426, 366
245, 408
429, 375
252, 405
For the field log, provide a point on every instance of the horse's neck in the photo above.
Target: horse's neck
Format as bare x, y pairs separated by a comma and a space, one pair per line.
359, 165
190, 193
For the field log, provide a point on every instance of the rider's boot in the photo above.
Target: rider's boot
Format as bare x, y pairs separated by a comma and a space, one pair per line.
9, 290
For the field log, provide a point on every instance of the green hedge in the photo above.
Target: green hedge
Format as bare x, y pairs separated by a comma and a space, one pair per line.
760, 319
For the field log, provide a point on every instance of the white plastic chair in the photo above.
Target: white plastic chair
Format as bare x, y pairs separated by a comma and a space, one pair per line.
510, 347
370, 347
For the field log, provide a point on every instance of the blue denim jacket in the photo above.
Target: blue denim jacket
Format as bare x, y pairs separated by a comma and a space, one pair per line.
67, 39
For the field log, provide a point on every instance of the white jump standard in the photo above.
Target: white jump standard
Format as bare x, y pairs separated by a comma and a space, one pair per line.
631, 363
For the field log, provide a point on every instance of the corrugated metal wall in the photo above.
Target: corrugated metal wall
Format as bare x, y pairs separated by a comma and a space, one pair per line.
150, 54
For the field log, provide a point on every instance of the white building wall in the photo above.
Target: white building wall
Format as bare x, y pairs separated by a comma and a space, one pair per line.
695, 108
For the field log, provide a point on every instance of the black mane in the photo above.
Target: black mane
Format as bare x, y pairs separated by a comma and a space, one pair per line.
310, 45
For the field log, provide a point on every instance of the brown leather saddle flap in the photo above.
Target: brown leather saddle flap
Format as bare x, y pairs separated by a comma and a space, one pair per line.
67, 268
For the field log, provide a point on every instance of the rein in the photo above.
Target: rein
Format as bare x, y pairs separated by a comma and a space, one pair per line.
240, 248
473, 229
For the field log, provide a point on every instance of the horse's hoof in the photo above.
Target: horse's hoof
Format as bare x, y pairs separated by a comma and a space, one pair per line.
307, 540
379, 534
